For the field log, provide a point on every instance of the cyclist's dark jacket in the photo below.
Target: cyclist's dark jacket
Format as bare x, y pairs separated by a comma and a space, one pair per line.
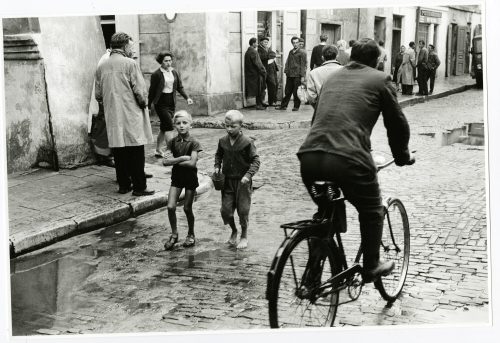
348, 107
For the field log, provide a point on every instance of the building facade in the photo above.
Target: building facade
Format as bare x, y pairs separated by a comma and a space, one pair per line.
49, 71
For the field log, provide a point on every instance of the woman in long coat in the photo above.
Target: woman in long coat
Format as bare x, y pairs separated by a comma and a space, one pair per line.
406, 71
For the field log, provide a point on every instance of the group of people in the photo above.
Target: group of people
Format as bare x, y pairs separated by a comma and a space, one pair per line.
409, 66
337, 147
120, 91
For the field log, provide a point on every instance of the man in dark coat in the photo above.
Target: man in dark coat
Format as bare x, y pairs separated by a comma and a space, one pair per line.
271, 69
422, 69
317, 52
433, 64
337, 147
255, 74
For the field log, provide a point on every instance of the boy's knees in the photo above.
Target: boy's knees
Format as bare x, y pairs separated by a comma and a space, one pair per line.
188, 209
226, 214
171, 208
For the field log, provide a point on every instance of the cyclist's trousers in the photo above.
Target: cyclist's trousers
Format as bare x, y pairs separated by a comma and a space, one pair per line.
360, 187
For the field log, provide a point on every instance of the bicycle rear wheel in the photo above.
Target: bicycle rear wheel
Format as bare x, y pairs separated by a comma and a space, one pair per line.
395, 246
295, 300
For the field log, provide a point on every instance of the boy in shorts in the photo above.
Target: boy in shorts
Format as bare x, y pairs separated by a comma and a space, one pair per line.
238, 156
185, 151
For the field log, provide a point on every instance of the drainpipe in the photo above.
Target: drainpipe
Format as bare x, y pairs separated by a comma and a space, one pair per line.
357, 31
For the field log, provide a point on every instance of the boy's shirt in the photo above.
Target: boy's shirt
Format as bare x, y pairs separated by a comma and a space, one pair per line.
239, 159
180, 146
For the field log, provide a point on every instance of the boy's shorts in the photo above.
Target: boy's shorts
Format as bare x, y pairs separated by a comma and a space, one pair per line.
185, 178
236, 196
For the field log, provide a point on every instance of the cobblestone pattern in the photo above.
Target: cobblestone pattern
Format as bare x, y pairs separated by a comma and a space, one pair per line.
138, 287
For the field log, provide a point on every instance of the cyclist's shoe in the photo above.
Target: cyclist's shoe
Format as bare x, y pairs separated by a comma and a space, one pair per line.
382, 269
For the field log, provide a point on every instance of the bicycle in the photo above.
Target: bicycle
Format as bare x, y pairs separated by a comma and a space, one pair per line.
310, 268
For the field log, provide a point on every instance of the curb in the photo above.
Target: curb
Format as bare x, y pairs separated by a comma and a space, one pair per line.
304, 124
52, 232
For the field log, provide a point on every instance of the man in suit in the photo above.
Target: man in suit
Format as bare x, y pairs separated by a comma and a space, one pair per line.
337, 147
422, 68
255, 74
295, 70
317, 52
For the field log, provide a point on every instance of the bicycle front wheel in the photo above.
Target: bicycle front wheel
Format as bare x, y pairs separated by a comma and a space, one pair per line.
299, 295
395, 246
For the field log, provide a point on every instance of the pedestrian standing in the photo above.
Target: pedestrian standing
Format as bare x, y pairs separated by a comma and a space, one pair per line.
343, 57
165, 83
185, 150
406, 70
383, 56
396, 75
255, 75
237, 155
295, 70
319, 75
433, 63
422, 69
302, 43
317, 52
270, 81
121, 88
272, 78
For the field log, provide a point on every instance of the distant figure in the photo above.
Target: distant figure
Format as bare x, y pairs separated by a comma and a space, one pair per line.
302, 43
270, 81
433, 63
343, 57
255, 74
272, 78
319, 75
406, 70
383, 56
295, 70
317, 52
164, 85
237, 156
121, 88
422, 69
351, 43
396, 75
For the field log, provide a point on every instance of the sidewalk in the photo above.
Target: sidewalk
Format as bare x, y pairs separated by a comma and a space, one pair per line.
275, 119
47, 206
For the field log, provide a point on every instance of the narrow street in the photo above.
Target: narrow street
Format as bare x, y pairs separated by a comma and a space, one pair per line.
119, 279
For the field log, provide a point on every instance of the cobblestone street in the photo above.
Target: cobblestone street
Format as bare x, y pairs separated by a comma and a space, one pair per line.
119, 279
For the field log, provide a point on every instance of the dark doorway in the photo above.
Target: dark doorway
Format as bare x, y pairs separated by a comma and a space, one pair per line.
396, 38
332, 31
108, 28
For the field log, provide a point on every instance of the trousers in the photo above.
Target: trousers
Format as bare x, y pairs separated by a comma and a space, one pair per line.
129, 166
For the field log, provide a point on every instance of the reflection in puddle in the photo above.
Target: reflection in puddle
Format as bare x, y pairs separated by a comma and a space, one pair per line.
40, 291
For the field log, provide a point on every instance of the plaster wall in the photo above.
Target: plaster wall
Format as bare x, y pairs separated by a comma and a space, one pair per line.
69, 69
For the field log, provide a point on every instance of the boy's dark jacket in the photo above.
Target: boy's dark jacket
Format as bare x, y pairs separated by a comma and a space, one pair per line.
239, 159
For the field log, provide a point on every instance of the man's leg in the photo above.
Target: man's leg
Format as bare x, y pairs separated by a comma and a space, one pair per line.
296, 99
243, 201
288, 92
136, 165
260, 94
122, 174
432, 77
271, 91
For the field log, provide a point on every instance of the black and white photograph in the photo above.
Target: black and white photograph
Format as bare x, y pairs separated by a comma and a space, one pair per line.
255, 170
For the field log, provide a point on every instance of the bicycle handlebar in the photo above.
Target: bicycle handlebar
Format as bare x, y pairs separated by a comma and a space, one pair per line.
385, 165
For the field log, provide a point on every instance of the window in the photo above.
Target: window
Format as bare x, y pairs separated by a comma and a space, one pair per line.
108, 28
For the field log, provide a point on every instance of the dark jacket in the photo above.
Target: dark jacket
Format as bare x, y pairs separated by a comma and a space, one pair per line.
317, 56
239, 159
296, 63
433, 61
347, 110
255, 72
158, 83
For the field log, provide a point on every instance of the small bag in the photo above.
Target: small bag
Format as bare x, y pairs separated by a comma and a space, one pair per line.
302, 93
218, 180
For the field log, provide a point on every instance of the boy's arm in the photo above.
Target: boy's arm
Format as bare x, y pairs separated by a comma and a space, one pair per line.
219, 154
176, 160
254, 162
191, 163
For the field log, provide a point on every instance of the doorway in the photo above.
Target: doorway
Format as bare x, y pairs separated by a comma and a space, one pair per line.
108, 25
379, 29
396, 38
333, 32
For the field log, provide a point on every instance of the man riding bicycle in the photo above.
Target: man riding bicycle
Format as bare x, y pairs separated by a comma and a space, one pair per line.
337, 148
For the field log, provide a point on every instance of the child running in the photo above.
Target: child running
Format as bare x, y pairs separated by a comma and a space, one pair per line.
185, 151
238, 156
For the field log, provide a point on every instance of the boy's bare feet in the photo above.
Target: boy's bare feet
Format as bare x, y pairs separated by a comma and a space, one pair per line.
243, 244
233, 239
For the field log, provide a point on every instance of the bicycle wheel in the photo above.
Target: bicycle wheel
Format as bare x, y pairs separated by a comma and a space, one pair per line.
295, 300
395, 246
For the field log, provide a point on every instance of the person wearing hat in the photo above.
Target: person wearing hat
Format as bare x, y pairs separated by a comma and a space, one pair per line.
267, 56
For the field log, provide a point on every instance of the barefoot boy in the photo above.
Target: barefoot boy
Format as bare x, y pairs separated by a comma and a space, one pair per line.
185, 150
238, 156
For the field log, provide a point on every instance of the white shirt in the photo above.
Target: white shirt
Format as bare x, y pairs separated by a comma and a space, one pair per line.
168, 76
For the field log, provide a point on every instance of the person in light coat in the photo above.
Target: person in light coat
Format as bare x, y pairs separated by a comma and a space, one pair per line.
121, 88
406, 70
319, 75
